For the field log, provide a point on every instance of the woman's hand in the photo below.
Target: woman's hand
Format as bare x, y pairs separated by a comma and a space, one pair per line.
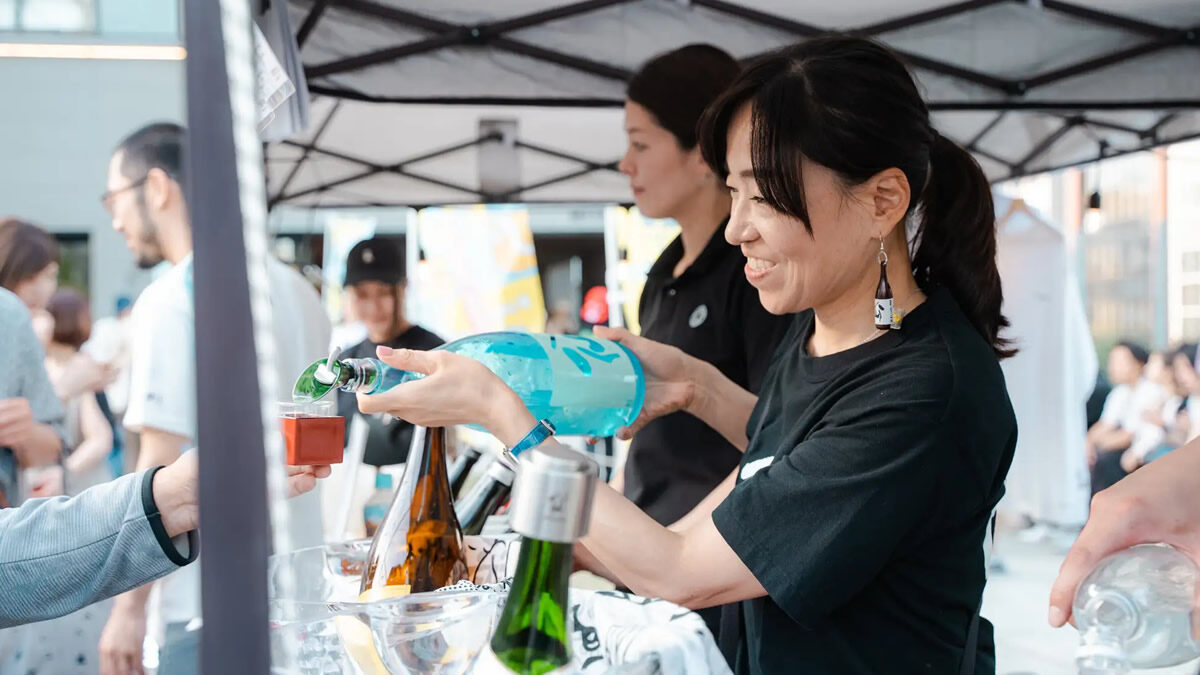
670, 377
455, 390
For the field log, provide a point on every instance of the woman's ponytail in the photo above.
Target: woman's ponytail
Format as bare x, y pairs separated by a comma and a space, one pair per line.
957, 240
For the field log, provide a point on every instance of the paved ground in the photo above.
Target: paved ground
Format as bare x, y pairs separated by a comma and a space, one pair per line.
1015, 602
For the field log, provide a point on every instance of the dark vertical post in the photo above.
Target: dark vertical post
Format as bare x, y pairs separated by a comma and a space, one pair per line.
233, 498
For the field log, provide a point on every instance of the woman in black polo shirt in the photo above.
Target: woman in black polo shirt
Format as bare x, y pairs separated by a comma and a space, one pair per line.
696, 296
856, 532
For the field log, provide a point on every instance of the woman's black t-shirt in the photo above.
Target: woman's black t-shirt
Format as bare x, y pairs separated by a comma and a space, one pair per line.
864, 500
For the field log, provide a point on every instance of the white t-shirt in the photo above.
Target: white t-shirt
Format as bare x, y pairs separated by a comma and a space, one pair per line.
1126, 406
162, 395
162, 390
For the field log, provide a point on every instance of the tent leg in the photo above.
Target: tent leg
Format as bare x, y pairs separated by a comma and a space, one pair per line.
233, 502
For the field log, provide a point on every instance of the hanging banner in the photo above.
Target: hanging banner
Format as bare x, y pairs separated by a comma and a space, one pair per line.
479, 271
640, 240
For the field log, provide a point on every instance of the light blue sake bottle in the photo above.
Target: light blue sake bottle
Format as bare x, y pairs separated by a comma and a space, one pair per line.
585, 386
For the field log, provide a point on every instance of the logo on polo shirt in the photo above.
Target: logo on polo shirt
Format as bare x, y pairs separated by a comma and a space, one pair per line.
698, 317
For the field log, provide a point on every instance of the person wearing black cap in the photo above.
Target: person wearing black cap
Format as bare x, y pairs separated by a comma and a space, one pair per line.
375, 279
1132, 397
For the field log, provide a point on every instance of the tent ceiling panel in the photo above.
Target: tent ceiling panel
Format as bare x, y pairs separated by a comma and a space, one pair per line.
605, 186
630, 34
318, 169
1162, 12
1163, 75
982, 40
530, 168
1180, 126
383, 190
1027, 85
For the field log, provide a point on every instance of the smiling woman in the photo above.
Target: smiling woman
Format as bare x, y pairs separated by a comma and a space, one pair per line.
854, 533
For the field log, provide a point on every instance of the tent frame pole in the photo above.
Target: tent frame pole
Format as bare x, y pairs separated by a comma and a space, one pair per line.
233, 496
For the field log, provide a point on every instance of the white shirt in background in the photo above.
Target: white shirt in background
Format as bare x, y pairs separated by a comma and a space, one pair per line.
162, 389
1126, 406
162, 395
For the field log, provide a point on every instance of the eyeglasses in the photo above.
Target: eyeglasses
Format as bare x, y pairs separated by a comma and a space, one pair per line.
106, 198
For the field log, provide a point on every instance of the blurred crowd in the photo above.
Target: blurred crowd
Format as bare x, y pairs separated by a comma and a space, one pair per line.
1152, 408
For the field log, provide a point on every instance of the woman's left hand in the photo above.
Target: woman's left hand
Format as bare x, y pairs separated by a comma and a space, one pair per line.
455, 390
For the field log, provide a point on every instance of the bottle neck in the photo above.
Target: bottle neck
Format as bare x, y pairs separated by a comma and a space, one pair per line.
426, 482
482, 501
534, 632
544, 567
1101, 651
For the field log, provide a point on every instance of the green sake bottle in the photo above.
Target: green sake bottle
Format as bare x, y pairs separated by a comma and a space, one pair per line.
552, 502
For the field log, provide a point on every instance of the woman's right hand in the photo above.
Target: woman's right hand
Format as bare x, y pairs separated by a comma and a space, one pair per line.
455, 390
670, 376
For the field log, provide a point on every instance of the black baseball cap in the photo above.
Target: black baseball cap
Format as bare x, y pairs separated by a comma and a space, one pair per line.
375, 259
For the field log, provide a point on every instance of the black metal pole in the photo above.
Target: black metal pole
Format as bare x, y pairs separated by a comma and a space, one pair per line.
233, 500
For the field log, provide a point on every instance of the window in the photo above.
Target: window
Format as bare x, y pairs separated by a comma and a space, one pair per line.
53, 16
1191, 328
1191, 261
1191, 294
73, 260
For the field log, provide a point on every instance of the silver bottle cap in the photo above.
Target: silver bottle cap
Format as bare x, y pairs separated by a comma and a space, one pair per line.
501, 471
552, 496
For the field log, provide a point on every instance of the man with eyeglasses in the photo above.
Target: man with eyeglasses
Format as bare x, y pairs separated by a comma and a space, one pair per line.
146, 199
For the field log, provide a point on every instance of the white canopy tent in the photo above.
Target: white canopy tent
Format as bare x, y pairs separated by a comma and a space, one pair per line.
423, 102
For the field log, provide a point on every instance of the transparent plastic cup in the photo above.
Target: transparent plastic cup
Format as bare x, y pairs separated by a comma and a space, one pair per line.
313, 431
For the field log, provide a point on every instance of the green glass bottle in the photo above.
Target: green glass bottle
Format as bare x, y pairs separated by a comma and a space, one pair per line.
552, 500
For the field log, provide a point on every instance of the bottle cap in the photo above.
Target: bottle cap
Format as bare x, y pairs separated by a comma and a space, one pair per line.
552, 495
313, 384
501, 471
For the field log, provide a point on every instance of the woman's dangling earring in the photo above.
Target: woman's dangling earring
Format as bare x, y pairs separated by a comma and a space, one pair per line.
885, 314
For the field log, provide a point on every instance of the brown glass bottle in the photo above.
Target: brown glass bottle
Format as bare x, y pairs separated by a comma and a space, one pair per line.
419, 543
883, 300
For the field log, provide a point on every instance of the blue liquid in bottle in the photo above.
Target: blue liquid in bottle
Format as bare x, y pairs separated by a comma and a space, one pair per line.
585, 386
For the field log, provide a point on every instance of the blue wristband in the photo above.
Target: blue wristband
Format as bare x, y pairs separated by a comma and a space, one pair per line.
534, 438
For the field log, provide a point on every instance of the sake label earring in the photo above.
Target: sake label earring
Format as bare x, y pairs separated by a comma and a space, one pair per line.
885, 314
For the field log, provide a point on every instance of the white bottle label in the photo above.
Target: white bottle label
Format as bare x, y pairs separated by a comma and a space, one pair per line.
883, 311
610, 378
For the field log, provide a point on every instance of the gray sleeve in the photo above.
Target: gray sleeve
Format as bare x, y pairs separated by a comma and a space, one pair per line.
58, 555
34, 384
